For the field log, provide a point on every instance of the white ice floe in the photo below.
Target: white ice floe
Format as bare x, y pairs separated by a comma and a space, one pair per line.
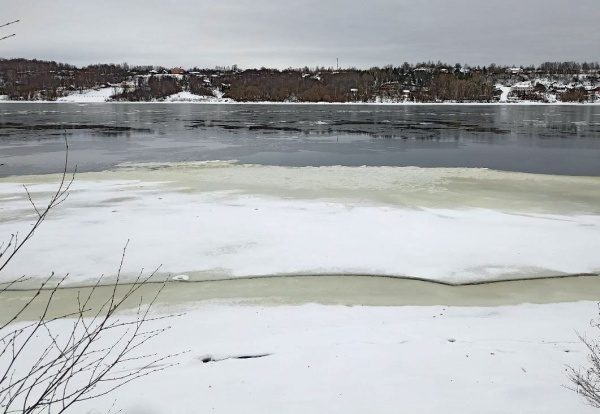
224, 220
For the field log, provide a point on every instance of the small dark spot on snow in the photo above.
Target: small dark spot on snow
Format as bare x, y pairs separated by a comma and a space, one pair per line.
451, 340
209, 358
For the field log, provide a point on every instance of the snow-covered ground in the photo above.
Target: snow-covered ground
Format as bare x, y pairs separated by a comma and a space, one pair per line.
505, 91
221, 220
187, 97
104, 95
91, 95
347, 360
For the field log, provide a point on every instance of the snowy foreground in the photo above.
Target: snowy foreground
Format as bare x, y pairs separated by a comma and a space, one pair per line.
222, 220
335, 359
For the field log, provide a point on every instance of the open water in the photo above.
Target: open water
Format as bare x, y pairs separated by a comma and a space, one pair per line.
538, 139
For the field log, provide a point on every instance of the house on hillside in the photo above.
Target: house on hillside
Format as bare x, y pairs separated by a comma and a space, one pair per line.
178, 71
389, 87
593, 93
523, 88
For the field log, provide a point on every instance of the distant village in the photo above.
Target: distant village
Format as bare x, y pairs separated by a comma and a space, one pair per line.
550, 82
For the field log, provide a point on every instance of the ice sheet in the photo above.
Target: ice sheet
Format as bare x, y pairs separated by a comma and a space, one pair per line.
223, 220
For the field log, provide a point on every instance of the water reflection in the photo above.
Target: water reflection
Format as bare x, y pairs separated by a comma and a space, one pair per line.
541, 139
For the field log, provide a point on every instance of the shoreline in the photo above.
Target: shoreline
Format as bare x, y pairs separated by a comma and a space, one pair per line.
315, 103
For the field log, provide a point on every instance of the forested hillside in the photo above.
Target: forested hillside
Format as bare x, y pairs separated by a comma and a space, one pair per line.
22, 79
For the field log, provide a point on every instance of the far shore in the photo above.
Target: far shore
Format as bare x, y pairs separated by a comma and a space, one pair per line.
75, 102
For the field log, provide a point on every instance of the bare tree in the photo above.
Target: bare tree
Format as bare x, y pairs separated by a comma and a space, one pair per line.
585, 381
54, 362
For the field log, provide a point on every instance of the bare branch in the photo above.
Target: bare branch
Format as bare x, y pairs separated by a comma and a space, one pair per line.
58, 197
45, 368
9, 23
586, 381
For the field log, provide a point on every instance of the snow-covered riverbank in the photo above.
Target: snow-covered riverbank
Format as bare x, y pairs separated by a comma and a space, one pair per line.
101, 95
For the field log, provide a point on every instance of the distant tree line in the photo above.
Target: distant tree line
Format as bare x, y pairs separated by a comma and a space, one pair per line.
157, 88
22, 79
299, 86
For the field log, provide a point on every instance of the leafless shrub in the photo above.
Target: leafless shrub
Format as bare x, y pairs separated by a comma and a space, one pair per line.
54, 362
585, 381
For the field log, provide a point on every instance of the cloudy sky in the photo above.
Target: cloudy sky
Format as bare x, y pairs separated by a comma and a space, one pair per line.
284, 33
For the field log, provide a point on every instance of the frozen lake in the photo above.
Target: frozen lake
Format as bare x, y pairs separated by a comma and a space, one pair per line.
561, 140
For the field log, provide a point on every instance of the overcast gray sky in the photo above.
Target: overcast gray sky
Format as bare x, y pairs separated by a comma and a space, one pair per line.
281, 33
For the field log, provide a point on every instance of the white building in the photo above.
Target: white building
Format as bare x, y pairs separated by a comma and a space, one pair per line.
522, 88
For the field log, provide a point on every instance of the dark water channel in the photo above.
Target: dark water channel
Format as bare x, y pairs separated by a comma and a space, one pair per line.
539, 139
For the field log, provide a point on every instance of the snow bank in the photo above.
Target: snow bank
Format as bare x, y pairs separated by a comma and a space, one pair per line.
187, 97
91, 95
221, 220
